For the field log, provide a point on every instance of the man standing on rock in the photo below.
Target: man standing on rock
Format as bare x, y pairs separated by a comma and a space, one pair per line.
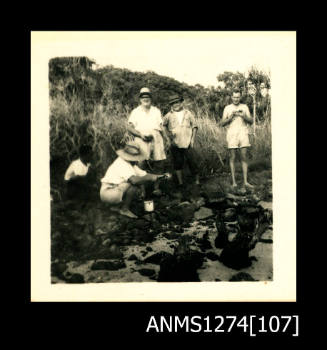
121, 181
145, 124
236, 117
181, 127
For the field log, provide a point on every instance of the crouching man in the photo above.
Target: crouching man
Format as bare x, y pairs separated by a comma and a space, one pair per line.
78, 179
120, 183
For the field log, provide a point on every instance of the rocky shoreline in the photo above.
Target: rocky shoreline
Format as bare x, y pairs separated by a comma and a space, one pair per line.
206, 233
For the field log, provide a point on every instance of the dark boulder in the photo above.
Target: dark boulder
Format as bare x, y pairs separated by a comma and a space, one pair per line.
236, 253
204, 243
146, 272
222, 233
108, 265
132, 257
183, 265
251, 227
212, 256
75, 278
157, 258
241, 276
57, 269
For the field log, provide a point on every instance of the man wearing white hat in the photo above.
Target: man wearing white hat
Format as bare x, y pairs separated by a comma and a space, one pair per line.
119, 185
145, 124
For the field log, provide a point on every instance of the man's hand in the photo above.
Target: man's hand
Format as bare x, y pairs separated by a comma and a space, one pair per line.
241, 114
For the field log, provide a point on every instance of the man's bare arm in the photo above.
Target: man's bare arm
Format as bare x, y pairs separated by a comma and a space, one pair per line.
194, 131
133, 131
225, 120
247, 116
139, 180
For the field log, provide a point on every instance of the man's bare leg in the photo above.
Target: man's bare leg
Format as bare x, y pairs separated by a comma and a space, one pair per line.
232, 155
127, 200
245, 168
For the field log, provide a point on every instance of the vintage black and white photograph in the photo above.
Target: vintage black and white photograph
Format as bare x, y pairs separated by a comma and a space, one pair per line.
160, 160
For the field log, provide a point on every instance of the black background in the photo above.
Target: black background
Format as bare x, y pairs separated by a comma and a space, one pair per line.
90, 323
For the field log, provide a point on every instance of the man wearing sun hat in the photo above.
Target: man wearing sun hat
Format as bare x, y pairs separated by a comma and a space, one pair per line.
145, 124
181, 126
120, 183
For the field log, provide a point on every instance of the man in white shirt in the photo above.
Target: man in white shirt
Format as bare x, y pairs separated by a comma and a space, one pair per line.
236, 117
121, 181
76, 178
145, 124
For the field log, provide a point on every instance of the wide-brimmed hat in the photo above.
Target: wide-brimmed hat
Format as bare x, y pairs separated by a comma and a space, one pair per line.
131, 152
175, 98
145, 92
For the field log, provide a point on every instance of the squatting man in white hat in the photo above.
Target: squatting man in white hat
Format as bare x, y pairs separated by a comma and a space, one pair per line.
145, 124
120, 183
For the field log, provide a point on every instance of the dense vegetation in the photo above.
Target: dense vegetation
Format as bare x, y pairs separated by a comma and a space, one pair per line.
92, 105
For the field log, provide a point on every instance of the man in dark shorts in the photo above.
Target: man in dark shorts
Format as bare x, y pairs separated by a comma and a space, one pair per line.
181, 129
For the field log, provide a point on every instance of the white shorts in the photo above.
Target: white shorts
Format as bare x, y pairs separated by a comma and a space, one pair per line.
238, 139
154, 150
113, 194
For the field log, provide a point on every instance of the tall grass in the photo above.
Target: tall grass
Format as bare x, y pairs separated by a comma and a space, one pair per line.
105, 130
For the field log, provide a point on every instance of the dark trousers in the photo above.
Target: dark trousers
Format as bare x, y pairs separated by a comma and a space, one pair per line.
182, 156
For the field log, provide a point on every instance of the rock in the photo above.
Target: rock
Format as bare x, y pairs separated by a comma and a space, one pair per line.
198, 202
179, 214
171, 235
85, 242
106, 252
183, 265
141, 224
181, 268
106, 242
112, 227
132, 257
229, 214
149, 217
236, 253
255, 198
267, 236
203, 213
108, 265
212, 256
149, 249
264, 240
266, 205
241, 276
146, 272
57, 269
75, 278
164, 202
203, 242
157, 258
183, 204
222, 236
99, 232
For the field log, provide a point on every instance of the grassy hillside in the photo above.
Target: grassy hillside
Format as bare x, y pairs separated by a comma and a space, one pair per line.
92, 106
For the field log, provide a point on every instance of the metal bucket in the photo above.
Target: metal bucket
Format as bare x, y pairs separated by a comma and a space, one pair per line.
148, 205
